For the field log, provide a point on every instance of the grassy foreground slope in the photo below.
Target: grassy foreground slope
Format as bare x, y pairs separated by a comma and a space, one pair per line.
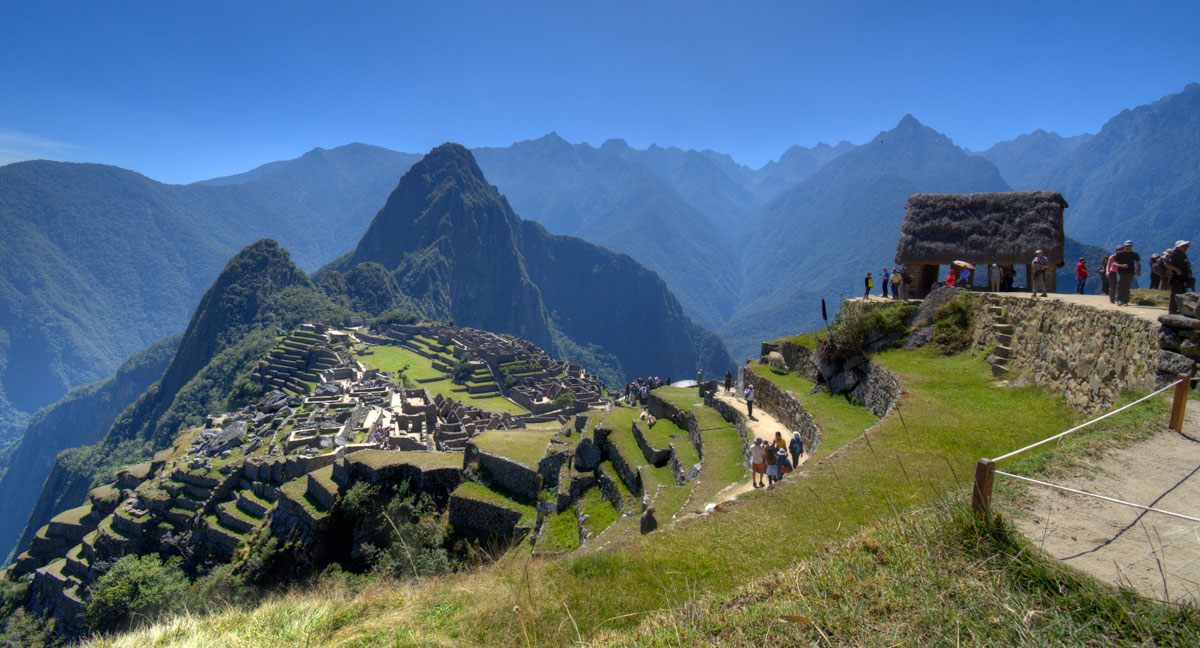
648, 588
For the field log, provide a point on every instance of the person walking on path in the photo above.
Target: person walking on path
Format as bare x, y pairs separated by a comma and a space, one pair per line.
758, 466
885, 279
1180, 270
1040, 265
728, 382
781, 462
868, 284
778, 441
750, 401
1104, 275
1080, 276
1128, 264
1112, 277
895, 283
796, 446
770, 457
1156, 271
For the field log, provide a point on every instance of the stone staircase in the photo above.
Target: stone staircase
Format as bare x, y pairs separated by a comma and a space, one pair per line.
1001, 356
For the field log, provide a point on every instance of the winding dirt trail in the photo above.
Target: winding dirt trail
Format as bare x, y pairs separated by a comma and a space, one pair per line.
763, 426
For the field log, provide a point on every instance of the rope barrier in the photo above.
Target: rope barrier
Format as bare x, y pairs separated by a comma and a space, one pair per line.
1080, 427
1107, 499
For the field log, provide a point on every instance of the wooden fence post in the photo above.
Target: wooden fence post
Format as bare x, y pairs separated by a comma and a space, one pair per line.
981, 493
1179, 403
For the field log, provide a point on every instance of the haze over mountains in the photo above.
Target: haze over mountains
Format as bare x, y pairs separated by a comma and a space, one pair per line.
98, 262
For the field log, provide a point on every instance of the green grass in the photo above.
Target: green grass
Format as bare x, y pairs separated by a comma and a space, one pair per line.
660, 437
723, 465
394, 358
601, 513
628, 499
377, 459
952, 416
680, 397
841, 420
526, 447
560, 532
477, 491
1147, 297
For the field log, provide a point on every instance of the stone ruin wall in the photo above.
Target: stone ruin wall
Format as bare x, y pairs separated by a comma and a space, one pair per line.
1087, 354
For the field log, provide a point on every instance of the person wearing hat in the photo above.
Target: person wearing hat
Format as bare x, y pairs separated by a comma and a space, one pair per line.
1112, 275
1081, 275
1179, 269
1128, 264
1040, 266
1156, 272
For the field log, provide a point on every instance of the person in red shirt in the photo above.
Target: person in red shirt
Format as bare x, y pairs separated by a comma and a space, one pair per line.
1080, 276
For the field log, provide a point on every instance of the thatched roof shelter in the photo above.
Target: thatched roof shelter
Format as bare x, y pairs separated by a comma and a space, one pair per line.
1004, 228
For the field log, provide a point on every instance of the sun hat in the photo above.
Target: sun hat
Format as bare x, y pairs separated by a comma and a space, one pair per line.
1128, 242
1182, 243
1038, 252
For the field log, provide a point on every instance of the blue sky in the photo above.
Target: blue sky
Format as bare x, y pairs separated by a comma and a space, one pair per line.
182, 91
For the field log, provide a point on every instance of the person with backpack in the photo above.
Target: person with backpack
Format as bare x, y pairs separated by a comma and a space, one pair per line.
1156, 271
1129, 264
771, 458
728, 382
796, 446
1181, 273
895, 283
782, 463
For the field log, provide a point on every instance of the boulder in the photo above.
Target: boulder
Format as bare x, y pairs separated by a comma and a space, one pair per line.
932, 302
843, 382
1179, 321
1173, 363
1188, 304
587, 456
1190, 348
1169, 339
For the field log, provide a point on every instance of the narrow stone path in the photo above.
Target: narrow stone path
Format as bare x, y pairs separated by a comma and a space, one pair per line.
763, 426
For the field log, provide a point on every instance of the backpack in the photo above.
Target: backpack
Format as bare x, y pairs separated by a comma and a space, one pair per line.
1159, 267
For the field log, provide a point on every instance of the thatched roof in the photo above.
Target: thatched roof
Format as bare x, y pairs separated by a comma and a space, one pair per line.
982, 228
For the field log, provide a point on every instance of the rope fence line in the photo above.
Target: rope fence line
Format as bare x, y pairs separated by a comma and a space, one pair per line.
985, 469
1107, 499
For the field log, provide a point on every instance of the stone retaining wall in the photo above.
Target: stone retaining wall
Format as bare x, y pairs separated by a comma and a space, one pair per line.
878, 390
484, 521
1087, 354
785, 407
508, 474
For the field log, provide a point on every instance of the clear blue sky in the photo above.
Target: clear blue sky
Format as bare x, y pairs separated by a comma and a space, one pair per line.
182, 91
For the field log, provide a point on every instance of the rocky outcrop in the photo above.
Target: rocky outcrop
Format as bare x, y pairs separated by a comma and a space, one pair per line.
1179, 341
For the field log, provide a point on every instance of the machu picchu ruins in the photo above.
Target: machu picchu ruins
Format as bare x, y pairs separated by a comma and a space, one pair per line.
513, 445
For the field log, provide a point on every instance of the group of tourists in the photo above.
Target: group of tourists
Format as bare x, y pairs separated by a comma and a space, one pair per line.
638, 391
769, 460
1169, 270
895, 281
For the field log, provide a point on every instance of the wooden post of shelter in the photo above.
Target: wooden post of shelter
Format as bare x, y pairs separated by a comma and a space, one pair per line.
1179, 402
981, 492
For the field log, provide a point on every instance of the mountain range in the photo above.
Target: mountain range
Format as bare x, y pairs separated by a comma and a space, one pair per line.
98, 263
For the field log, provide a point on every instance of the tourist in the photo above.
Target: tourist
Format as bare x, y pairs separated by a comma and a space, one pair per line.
950, 277
1156, 270
867, 283
778, 442
1128, 265
772, 460
796, 447
1080, 276
1104, 275
1040, 266
728, 382
995, 277
895, 283
1010, 275
885, 279
699, 377
750, 401
782, 463
757, 466
1112, 276
1180, 270
964, 278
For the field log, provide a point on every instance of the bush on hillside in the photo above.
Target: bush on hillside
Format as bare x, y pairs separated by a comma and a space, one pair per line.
396, 316
856, 329
136, 589
402, 535
564, 399
952, 324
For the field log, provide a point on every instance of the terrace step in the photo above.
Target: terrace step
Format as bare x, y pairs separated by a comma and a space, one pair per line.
1002, 351
232, 517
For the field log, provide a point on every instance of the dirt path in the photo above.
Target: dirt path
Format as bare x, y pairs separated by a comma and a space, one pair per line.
1158, 555
763, 426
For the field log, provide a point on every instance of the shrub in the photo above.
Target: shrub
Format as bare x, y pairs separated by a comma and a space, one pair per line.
398, 316
140, 588
952, 324
856, 329
402, 535
564, 399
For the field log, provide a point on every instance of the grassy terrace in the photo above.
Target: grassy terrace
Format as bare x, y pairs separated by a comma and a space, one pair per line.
477, 491
377, 459
394, 358
599, 511
526, 447
848, 555
560, 532
672, 498
664, 433
841, 420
